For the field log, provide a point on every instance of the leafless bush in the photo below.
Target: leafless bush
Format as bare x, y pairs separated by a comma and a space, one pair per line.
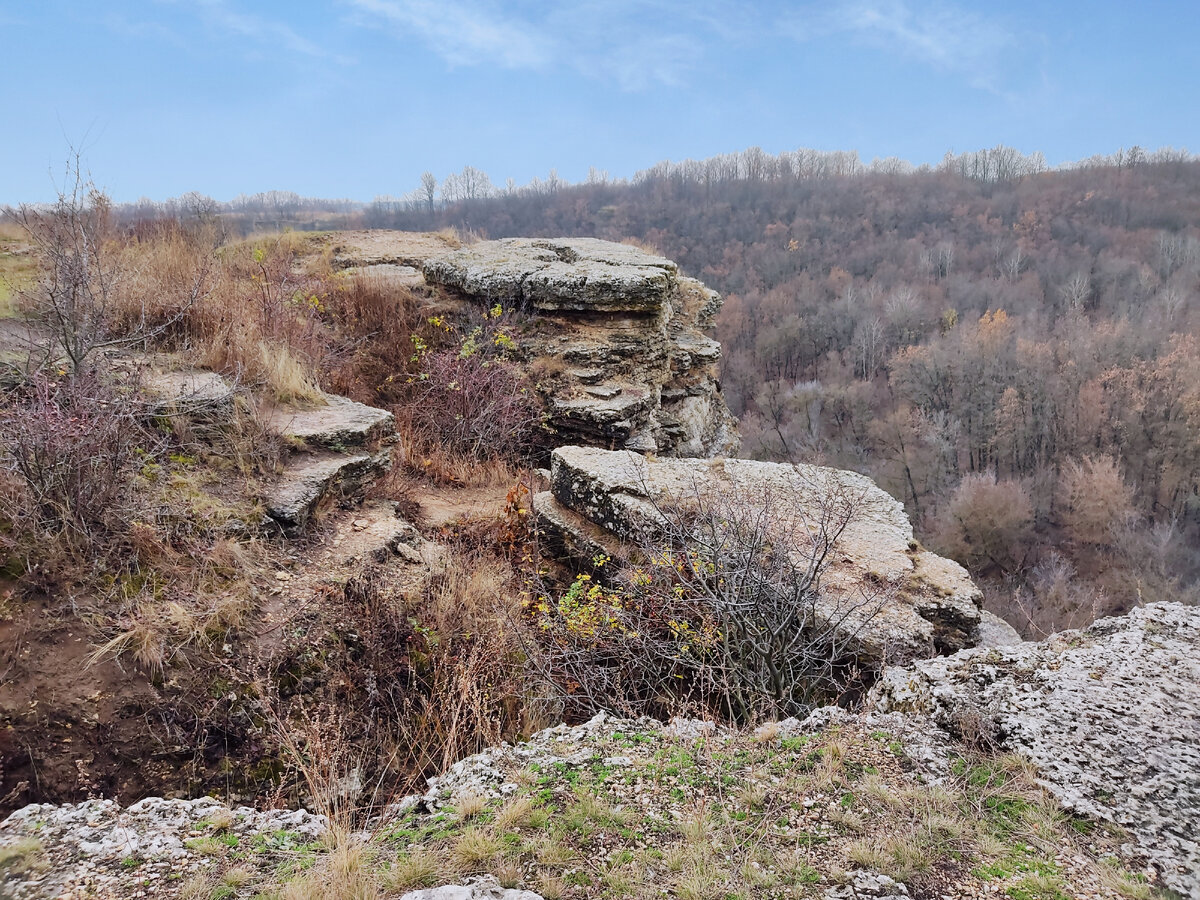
264, 323
723, 608
1094, 502
987, 523
74, 444
478, 407
81, 297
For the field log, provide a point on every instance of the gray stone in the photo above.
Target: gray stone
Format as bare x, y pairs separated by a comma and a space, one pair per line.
339, 423
619, 353
97, 831
577, 274
995, 632
862, 884
306, 483
1110, 715
192, 394
927, 604
485, 887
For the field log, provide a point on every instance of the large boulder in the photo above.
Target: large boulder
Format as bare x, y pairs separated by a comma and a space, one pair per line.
619, 353
600, 502
1110, 715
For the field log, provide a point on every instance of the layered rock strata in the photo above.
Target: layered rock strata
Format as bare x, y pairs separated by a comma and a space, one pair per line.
1110, 715
621, 353
339, 448
899, 602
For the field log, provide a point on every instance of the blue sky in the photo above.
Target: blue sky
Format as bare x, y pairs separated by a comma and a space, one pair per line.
355, 98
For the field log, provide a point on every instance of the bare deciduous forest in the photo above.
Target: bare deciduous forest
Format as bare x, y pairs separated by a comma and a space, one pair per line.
1010, 350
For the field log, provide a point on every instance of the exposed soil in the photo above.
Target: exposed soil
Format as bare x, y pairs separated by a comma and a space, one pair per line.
75, 726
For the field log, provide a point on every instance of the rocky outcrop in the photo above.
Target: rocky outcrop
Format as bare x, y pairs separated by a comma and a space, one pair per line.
927, 604
191, 394
336, 424
1110, 715
340, 448
620, 353
82, 846
306, 483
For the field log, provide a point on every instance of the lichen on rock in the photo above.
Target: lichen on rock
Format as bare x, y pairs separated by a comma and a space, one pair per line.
1110, 715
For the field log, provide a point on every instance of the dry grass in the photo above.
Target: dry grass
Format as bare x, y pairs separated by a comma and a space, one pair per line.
702, 842
272, 366
347, 872
514, 814
426, 457
411, 871
475, 850
469, 805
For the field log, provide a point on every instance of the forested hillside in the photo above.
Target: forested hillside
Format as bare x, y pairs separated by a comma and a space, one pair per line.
1011, 351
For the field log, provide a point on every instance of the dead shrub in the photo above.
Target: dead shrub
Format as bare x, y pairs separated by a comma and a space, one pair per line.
263, 321
397, 685
76, 444
721, 608
170, 273
475, 406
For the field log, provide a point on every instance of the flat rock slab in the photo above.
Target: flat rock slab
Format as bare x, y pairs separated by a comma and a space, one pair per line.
383, 248
340, 423
1110, 715
932, 605
387, 275
85, 843
190, 393
311, 479
565, 274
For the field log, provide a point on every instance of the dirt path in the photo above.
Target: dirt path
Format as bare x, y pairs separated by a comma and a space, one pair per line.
439, 506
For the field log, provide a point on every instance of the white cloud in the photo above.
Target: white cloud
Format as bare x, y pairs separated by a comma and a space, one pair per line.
636, 43
466, 33
219, 14
940, 35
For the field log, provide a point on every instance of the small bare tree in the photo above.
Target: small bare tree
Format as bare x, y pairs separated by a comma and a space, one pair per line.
77, 298
76, 292
721, 606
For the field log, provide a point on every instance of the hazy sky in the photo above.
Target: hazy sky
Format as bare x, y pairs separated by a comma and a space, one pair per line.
354, 98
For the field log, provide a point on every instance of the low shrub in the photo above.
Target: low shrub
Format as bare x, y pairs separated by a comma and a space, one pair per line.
77, 446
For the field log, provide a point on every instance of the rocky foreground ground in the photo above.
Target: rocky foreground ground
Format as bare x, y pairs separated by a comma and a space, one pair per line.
889, 802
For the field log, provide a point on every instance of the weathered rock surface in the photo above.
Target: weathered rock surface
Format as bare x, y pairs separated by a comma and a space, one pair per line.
621, 353
599, 498
305, 484
85, 843
582, 274
343, 446
337, 424
367, 250
189, 393
995, 632
1110, 715
486, 887
862, 884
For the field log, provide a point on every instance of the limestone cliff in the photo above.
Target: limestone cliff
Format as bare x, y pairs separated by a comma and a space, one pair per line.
623, 354
1110, 715
927, 604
